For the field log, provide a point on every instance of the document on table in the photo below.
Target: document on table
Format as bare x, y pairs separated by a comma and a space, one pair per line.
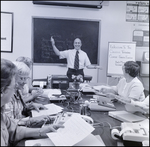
99, 87
93, 89
90, 140
43, 142
50, 92
100, 139
75, 129
52, 109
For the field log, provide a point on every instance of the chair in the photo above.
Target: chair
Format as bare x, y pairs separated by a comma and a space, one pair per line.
87, 78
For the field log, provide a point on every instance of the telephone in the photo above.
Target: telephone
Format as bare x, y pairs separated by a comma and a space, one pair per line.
137, 133
134, 132
61, 118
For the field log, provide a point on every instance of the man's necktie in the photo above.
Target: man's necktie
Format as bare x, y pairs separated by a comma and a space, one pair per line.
76, 61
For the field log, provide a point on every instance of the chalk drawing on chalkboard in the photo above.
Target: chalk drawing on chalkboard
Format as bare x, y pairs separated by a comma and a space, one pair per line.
64, 31
118, 54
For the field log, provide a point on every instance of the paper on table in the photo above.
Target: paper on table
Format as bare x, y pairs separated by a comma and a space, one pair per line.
90, 140
43, 142
49, 92
52, 109
100, 87
75, 129
100, 139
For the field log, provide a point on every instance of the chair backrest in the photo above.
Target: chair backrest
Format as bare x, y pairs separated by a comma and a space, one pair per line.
87, 78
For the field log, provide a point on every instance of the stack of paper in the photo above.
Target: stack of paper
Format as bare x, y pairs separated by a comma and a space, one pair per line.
75, 129
52, 109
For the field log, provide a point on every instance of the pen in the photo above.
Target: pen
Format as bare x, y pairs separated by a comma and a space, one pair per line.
44, 123
56, 119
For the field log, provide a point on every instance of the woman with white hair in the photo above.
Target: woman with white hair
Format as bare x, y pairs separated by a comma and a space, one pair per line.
29, 93
11, 132
17, 108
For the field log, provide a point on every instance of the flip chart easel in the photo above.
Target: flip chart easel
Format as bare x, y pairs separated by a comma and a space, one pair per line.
118, 54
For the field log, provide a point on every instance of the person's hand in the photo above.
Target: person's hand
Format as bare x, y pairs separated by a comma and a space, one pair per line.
36, 93
36, 122
52, 41
39, 89
36, 88
112, 97
37, 107
119, 98
49, 128
98, 67
74, 77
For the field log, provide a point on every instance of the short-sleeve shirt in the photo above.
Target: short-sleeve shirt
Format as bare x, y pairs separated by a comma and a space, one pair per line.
10, 131
14, 108
133, 89
70, 56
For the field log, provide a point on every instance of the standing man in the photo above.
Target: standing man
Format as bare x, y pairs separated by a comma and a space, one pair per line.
77, 59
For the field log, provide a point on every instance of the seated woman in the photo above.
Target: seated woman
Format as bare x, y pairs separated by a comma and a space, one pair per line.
11, 132
129, 87
17, 108
29, 93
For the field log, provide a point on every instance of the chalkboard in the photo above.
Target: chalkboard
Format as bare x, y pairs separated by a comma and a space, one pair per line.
64, 31
118, 54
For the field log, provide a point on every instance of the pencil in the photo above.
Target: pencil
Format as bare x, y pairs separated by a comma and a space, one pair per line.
44, 123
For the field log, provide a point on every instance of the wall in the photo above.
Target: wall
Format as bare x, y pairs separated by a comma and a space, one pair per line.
113, 28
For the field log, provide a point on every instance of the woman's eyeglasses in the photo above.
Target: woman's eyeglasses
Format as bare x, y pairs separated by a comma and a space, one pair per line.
24, 78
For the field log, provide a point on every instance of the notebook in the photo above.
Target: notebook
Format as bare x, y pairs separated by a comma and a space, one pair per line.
125, 116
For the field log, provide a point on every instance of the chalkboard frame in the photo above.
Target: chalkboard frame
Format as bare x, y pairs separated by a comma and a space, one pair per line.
117, 75
58, 18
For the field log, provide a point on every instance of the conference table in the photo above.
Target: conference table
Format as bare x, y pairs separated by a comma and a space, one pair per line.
101, 117
106, 122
